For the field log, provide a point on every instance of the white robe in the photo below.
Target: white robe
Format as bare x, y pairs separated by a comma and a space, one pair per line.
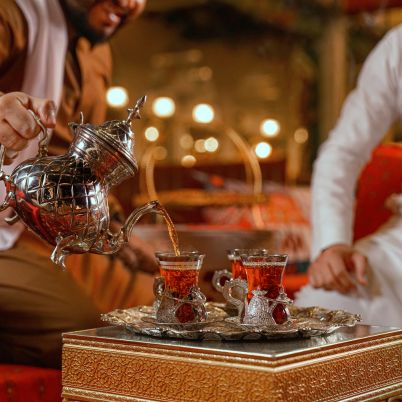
367, 114
43, 78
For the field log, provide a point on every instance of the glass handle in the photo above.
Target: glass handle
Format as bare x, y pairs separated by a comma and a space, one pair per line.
158, 289
159, 286
216, 279
239, 303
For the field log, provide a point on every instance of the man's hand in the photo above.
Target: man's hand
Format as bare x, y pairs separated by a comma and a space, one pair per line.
133, 7
338, 268
17, 125
136, 254
122, 8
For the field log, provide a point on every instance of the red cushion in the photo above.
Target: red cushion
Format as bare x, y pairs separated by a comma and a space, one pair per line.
379, 179
33, 384
293, 282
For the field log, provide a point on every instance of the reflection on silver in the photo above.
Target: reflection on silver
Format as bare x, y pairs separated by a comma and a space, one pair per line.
170, 308
188, 326
306, 322
63, 199
220, 275
260, 309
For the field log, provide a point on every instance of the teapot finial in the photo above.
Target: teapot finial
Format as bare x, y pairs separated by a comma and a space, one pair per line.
134, 113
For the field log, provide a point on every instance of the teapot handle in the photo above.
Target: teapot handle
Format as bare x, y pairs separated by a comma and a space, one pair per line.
43, 142
42, 151
4, 178
2, 155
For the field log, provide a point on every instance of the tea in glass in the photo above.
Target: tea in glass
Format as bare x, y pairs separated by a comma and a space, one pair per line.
235, 264
265, 273
237, 269
180, 299
234, 256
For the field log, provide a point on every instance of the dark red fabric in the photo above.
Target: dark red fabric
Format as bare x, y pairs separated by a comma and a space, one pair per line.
355, 6
379, 179
29, 384
293, 283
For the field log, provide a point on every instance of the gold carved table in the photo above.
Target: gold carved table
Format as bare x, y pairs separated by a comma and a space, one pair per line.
363, 363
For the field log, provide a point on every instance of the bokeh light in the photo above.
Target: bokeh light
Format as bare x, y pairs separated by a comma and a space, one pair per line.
188, 161
199, 146
203, 113
263, 150
163, 107
151, 134
211, 144
117, 97
186, 141
300, 135
270, 128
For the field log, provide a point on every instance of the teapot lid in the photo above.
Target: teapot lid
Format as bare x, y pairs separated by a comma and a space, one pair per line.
117, 133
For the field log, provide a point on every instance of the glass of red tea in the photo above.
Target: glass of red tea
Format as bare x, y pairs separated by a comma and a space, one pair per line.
179, 298
265, 301
237, 270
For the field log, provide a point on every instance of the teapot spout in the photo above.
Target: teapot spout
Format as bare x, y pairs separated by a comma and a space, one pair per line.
110, 243
152, 206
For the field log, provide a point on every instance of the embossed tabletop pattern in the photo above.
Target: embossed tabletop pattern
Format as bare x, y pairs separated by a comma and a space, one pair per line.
352, 364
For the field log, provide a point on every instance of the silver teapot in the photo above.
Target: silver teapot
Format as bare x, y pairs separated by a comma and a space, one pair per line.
64, 199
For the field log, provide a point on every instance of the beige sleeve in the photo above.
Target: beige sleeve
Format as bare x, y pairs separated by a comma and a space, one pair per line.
13, 32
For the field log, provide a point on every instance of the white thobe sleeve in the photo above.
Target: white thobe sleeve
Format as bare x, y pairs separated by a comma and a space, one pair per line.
366, 115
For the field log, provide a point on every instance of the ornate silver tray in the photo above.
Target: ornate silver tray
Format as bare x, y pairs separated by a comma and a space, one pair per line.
306, 322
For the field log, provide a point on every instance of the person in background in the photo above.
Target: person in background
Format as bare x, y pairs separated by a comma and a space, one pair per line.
364, 277
55, 61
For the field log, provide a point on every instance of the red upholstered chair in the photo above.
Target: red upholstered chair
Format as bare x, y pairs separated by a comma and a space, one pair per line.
29, 384
380, 178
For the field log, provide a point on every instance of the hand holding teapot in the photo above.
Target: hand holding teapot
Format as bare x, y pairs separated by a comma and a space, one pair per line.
63, 199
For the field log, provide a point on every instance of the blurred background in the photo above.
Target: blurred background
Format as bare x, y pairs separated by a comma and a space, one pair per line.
240, 93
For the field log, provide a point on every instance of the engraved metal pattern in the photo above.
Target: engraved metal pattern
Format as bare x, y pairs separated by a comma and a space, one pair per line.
217, 279
306, 322
327, 351
266, 303
259, 309
364, 371
60, 196
169, 308
63, 199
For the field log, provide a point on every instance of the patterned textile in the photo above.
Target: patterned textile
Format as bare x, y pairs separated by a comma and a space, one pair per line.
381, 177
286, 214
29, 384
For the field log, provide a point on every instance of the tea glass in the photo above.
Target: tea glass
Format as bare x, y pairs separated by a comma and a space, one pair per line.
178, 299
265, 301
237, 269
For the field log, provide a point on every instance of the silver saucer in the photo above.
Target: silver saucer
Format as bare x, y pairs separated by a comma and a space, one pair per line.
306, 322
285, 329
185, 326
